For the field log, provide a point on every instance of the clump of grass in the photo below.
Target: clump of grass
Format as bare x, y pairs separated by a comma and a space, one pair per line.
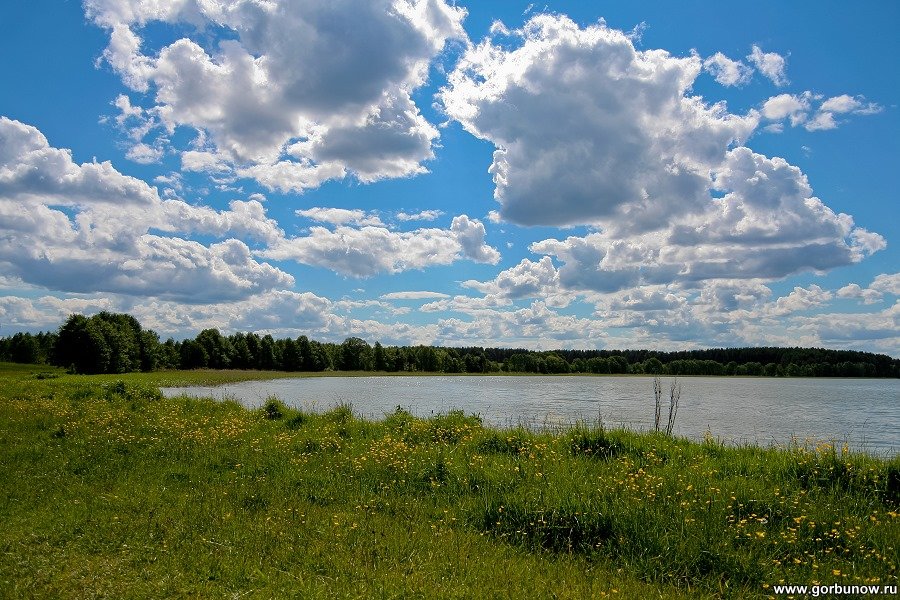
560, 529
510, 442
273, 409
342, 413
594, 442
297, 420
46, 375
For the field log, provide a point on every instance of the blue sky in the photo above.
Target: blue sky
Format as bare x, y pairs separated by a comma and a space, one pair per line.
570, 174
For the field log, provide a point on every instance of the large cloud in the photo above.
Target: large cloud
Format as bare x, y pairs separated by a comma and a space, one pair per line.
366, 250
588, 129
766, 226
591, 131
291, 92
86, 228
33, 171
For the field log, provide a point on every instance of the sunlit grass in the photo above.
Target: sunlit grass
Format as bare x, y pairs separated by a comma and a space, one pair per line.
110, 490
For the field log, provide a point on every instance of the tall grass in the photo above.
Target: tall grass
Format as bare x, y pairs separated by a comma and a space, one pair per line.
110, 490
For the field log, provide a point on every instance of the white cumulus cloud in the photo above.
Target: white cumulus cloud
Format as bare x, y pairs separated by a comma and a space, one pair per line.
798, 109
291, 93
413, 295
424, 215
86, 228
770, 64
587, 128
728, 72
339, 216
766, 226
366, 250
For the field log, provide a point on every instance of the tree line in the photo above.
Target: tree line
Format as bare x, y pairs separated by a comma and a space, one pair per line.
117, 343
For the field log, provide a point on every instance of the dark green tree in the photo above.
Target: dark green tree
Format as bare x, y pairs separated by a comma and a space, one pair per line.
355, 355
193, 355
290, 355
319, 359
380, 361
81, 346
218, 349
268, 359
305, 351
24, 348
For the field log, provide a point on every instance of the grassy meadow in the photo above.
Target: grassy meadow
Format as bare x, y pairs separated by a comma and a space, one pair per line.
109, 490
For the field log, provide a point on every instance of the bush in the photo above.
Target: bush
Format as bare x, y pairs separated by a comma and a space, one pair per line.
273, 409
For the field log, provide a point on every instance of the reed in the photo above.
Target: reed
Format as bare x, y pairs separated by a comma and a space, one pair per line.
674, 399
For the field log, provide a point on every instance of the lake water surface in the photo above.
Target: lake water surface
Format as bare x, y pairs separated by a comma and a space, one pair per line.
862, 412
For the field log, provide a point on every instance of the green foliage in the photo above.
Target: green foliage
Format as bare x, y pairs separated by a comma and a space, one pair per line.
112, 491
105, 343
216, 349
355, 355
24, 348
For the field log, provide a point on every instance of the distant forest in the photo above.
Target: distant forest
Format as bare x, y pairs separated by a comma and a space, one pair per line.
116, 343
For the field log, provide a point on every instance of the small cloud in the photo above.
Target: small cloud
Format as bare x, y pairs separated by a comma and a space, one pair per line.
202, 161
414, 295
798, 109
866, 296
770, 64
637, 32
173, 180
365, 249
790, 106
425, 215
820, 121
840, 105
143, 154
850, 104
339, 216
497, 27
470, 235
726, 71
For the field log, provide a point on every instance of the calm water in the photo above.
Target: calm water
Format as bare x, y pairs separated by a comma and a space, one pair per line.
863, 412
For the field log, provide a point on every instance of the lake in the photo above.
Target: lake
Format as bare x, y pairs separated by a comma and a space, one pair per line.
865, 413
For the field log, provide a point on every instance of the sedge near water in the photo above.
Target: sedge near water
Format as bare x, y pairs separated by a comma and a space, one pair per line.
862, 413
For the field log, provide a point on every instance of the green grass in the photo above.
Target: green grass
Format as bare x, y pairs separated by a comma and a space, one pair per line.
109, 490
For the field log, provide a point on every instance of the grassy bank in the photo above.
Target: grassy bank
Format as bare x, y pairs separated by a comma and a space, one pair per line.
106, 489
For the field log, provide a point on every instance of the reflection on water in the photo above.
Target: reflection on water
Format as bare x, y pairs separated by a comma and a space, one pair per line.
863, 412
